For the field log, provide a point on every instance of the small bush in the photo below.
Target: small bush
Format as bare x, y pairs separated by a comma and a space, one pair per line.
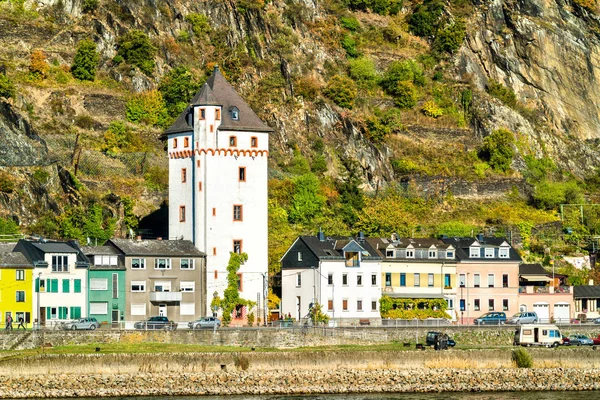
136, 48
200, 24
41, 176
38, 67
425, 18
6, 183
308, 87
349, 44
84, 121
405, 95
450, 38
157, 178
431, 109
85, 61
350, 23
498, 149
8, 226
147, 108
7, 88
502, 93
242, 362
341, 90
522, 358
118, 138
89, 6
363, 71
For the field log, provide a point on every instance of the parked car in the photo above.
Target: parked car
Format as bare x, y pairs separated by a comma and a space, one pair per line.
156, 323
579, 340
81, 323
491, 318
547, 335
527, 317
205, 323
596, 340
434, 338
566, 340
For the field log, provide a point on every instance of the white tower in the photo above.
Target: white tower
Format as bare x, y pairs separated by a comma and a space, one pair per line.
218, 150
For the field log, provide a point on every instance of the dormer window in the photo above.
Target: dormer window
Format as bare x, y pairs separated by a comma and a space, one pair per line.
235, 113
432, 253
389, 253
410, 253
503, 252
474, 252
449, 254
489, 252
201, 114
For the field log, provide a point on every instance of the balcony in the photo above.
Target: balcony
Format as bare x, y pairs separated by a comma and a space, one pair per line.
165, 296
545, 290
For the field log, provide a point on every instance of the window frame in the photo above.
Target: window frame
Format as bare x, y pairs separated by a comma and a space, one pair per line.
476, 280
167, 264
238, 212
183, 175
191, 264
20, 275
141, 261
417, 279
242, 174
201, 114
217, 114
476, 305
491, 304
181, 213
430, 280
20, 296
238, 243
60, 267
232, 141
186, 142
253, 142
140, 284
298, 279
492, 279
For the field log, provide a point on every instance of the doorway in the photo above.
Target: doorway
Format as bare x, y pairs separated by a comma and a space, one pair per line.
162, 310
115, 318
42, 321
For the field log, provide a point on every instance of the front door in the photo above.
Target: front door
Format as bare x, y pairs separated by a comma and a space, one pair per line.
162, 310
115, 318
42, 321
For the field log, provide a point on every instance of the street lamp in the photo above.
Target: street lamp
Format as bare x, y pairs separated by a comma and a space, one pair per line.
39, 285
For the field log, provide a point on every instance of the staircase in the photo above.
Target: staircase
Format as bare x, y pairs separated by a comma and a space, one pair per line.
22, 338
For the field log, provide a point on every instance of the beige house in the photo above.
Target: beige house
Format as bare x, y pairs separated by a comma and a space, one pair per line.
163, 277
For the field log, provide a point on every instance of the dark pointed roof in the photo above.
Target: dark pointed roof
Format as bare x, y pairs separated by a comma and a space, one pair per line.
462, 244
218, 92
167, 248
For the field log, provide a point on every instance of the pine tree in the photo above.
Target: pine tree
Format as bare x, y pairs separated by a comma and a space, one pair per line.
85, 61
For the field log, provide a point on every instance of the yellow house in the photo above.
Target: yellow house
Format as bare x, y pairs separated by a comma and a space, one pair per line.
16, 286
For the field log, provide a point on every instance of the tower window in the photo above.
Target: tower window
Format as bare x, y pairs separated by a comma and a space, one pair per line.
174, 143
237, 246
242, 174
253, 141
217, 114
183, 175
214, 212
199, 186
232, 141
212, 128
235, 113
181, 213
237, 212
186, 142
202, 113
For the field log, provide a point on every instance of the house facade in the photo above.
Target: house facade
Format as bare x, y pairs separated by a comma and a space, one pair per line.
488, 276
162, 278
418, 269
106, 285
342, 274
16, 286
537, 293
60, 280
218, 151
587, 301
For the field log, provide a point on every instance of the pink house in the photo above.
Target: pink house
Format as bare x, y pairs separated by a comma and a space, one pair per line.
488, 276
536, 293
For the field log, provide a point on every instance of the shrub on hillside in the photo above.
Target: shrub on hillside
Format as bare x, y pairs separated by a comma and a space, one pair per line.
401, 71
425, 18
89, 6
449, 39
8, 227
7, 88
521, 358
147, 108
85, 61
498, 149
6, 183
502, 93
38, 66
118, 138
349, 44
431, 109
200, 24
350, 23
136, 48
341, 90
363, 71
381, 7
405, 95
177, 87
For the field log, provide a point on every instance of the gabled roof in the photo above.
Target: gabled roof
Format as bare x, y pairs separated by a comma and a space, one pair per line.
218, 92
35, 251
333, 248
462, 248
586, 292
156, 248
419, 245
10, 259
92, 251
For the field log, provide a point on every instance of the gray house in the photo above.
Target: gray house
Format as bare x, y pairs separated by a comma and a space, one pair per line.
162, 277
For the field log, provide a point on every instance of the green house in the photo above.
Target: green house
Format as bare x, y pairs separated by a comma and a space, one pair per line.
106, 285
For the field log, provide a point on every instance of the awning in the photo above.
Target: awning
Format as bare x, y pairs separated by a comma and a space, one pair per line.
535, 278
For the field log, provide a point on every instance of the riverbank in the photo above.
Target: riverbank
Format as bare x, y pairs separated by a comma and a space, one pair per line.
299, 382
294, 372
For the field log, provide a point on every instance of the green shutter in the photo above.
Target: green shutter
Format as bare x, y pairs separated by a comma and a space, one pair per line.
75, 312
37, 285
48, 313
77, 285
54, 285
62, 312
65, 286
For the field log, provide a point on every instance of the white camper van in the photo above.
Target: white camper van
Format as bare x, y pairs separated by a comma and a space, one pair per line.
538, 335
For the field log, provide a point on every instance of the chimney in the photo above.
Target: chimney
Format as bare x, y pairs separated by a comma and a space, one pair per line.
321, 235
480, 237
361, 236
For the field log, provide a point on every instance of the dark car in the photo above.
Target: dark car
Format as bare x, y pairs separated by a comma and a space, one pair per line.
566, 340
156, 323
491, 318
438, 338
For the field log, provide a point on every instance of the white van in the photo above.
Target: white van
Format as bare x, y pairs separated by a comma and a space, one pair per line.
538, 335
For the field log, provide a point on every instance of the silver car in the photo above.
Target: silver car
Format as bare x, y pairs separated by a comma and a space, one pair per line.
81, 323
205, 323
526, 317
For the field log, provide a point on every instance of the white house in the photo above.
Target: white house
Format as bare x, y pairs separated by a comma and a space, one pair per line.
218, 149
60, 279
342, 274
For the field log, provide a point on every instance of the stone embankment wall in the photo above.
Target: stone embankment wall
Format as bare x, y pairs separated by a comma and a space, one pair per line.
276, 338
299, 382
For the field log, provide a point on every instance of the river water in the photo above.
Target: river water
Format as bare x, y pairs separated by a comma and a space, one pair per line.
398, 396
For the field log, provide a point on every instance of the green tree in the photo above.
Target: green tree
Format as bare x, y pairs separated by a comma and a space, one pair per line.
425, 18
200, 24
136, 48
231, 296
147, 108
306, 200
498, 149
7, 88
363, 71
177, 87
450, 38
96, 226
129, 218
118, 138
85, 61
341, 90
8, 227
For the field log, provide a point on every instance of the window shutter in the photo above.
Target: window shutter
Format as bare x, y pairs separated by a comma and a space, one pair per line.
77, 285
65, 288
54, 284
62, 312
75, 312
37, 285
48, 313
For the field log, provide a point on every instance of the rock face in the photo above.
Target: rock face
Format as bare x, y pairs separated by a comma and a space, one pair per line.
21, 145
548, 53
